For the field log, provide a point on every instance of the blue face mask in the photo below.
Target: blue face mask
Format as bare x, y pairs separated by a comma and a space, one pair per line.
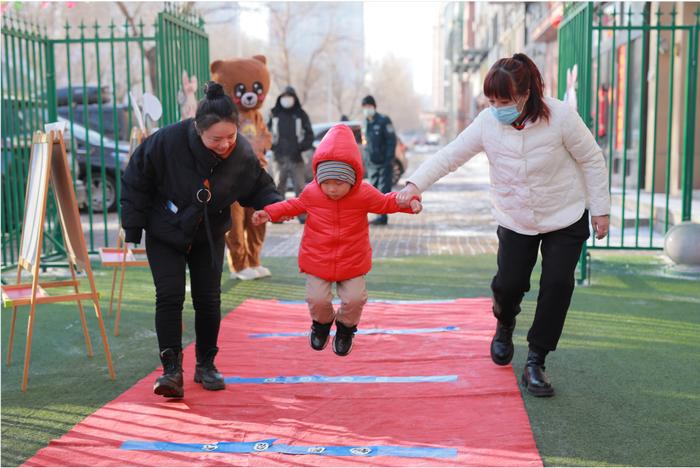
506, 115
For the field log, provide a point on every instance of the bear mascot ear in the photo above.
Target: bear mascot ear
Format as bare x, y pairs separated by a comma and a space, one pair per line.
260, 58
215, 65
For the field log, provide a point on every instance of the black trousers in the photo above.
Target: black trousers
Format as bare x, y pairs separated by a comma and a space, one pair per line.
381, 177
517, 255
168, 269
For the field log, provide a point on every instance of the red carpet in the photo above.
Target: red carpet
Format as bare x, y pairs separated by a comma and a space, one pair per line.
471, 414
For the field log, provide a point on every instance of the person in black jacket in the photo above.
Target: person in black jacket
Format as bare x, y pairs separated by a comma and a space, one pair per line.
179, 186
291, 135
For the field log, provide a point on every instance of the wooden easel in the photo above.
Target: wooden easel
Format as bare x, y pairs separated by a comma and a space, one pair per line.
119, 258
122, 256
48, 158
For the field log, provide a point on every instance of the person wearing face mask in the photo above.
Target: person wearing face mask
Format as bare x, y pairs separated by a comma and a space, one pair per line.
179, 187
380, 148
291, 136
548, 176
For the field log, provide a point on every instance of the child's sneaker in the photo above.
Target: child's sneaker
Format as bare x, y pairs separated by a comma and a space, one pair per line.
318, 338
342, 344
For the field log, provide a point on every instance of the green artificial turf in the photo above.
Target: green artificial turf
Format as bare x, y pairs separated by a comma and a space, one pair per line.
626, 371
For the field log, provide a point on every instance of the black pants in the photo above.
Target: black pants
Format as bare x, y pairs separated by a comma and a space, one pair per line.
517, 254
168, 269
381, 176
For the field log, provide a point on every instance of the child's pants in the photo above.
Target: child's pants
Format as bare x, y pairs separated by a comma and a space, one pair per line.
319, 296
244, 240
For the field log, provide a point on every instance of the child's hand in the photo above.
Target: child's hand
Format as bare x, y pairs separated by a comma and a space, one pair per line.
416, 206
260, 217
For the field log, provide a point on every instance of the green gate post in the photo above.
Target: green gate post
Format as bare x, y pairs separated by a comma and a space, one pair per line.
691, 83
51, 81
577, 26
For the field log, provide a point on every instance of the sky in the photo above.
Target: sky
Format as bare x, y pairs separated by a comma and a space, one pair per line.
402, 28
406, 30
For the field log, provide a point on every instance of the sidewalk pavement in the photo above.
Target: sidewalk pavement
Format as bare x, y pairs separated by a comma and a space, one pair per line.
456, 219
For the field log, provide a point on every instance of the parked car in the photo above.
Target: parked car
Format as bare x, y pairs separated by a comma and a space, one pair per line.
98, 106
114, 152
94, 94
320, 130
18, 137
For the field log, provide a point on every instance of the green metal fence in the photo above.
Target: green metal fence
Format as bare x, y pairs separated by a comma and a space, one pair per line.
183, 46
637, 90
85, 78
96, 67
23, 63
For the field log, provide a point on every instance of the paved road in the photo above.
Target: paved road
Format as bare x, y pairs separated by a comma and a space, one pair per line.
456, 220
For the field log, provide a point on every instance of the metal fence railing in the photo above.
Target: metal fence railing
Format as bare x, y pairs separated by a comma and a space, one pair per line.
637, 91
183, 46
86, 78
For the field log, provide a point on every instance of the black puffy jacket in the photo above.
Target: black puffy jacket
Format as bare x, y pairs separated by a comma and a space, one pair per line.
166, 173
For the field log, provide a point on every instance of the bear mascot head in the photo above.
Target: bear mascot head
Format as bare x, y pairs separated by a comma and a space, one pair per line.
247, 82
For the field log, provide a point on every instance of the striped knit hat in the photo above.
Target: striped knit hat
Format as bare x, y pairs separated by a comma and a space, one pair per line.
337, 170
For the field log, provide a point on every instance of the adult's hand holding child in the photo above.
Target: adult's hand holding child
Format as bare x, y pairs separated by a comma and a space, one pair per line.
406, 194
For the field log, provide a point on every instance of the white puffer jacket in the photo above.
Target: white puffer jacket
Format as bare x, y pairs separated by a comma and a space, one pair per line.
542, 177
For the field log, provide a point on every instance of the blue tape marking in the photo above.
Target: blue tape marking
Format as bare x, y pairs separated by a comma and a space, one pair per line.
369, 331
384, 301
270, 446
367, 451
340, 379
223, 447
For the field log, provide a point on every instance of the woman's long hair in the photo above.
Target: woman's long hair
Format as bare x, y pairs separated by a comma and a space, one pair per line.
514, 76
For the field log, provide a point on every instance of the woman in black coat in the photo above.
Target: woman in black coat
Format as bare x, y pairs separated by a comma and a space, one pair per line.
179, 186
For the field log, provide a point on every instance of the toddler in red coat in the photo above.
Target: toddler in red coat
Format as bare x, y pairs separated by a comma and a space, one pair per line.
335, 247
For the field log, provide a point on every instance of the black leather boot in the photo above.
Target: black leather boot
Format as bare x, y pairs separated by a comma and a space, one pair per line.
502, 344
318, 338
342, 344
205, 372
170, 384
534, 379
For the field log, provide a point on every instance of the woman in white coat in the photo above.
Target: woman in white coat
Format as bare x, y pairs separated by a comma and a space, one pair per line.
547, 176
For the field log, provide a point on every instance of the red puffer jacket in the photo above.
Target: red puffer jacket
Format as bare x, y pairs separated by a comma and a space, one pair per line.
335, 245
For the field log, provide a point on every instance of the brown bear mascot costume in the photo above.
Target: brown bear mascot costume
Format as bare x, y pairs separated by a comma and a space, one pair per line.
247, 82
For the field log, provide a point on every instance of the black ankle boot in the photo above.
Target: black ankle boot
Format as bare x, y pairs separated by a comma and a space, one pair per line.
170, 384
205, 371
342, 344
318, 338
534, 379
502, 344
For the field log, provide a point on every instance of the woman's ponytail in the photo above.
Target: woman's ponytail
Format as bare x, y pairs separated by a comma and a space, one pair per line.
536, 87
215, 107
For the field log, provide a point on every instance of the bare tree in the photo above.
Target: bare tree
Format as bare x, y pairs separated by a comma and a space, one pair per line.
391, 83
149, 53
346, 94
302, 53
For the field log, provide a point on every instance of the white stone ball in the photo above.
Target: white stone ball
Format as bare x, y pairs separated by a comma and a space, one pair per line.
682, 244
